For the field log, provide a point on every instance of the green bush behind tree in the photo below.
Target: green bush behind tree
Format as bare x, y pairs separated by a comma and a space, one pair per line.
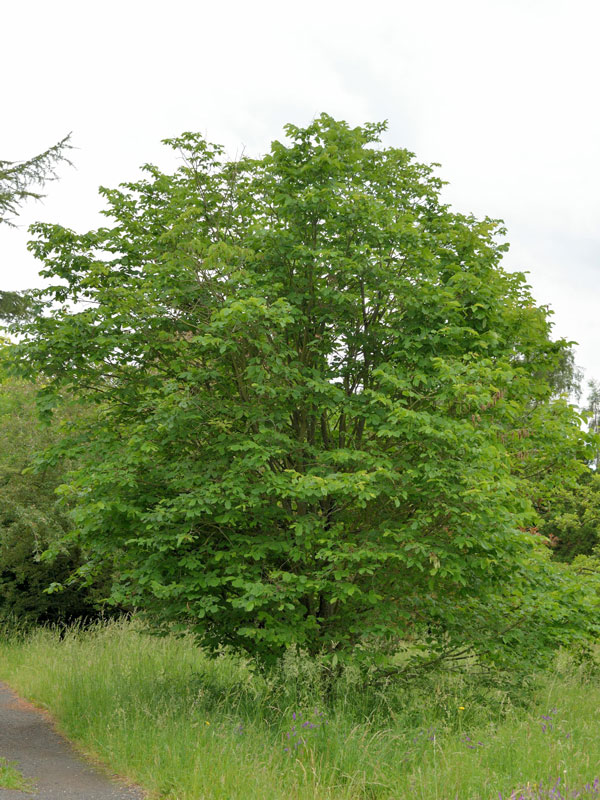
32, 519
570, 516
327, 413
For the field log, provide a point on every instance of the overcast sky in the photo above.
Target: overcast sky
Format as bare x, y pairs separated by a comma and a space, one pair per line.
504, 93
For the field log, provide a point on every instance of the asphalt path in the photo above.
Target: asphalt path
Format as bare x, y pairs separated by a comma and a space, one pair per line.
57, 771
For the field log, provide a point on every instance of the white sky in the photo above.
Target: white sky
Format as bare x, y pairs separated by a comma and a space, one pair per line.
504, 93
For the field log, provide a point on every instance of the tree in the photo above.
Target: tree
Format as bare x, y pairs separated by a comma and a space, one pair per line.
21, 181
567, 376
593, 406
592, 412
15, 306
571, 514
326, 409
571, 520
31, 519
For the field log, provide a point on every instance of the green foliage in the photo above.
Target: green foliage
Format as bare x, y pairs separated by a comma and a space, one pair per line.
18, 179
571, 519
593, 406
30, 518
567, 376
326, 409
592, 411
17, 182
570, 514
14, 305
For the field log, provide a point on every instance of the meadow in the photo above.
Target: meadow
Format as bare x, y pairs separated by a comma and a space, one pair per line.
184, 726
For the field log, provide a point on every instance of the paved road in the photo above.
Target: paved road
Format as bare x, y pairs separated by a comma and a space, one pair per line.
58, 772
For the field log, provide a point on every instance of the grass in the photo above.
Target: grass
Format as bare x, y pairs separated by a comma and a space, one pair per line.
11, 778
186, 727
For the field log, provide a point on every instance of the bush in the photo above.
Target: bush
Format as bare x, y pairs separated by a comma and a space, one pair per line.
32, 519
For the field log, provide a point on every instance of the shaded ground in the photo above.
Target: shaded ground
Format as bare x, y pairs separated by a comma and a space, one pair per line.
57, 771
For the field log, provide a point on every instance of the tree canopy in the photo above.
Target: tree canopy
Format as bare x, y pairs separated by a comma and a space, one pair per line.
23, 180
325, 412
19, 182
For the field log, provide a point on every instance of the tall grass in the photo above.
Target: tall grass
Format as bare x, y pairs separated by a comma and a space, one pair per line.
160, 712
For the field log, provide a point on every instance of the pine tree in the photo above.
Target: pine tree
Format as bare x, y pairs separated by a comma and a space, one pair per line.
20, 181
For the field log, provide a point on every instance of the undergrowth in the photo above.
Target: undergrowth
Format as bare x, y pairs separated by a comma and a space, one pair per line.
189, 727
